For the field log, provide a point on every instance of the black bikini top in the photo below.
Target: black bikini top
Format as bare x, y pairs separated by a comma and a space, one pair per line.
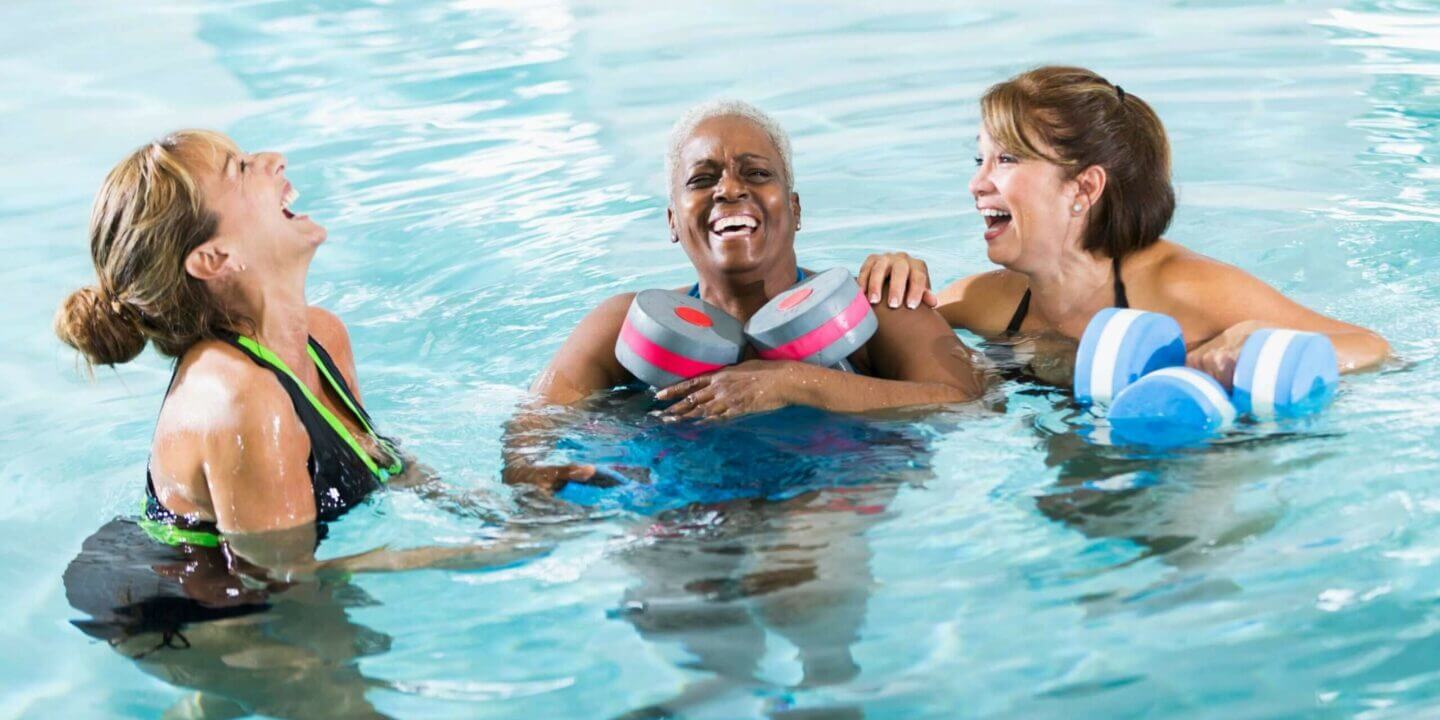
342, 474
1121, 301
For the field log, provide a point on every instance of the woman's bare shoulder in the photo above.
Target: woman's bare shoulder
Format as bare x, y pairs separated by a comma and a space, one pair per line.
217, 387
982, 302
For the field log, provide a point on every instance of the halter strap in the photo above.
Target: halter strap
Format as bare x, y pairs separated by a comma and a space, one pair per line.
269, 357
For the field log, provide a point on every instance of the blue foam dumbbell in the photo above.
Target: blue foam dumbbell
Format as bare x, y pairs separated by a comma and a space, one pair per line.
1170, 407
1134, 360
1120, 346
1285, 373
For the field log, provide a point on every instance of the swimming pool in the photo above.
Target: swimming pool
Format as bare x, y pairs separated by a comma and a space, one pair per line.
489, 171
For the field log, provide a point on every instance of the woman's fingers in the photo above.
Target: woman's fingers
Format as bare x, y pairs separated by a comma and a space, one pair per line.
594, 476
1214, 362
899, 283
919, 284
692, 406
684, 387
931, 299
863, 277
878, 271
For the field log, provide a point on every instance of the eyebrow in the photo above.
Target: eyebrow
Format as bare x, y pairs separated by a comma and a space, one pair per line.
741, 156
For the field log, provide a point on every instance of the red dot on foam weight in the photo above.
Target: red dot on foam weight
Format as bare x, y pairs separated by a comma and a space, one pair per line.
795, 298
693, 316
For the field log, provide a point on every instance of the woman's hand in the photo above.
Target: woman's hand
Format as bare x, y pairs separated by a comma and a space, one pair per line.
750, 387
908, 278
553, 478
1219, 355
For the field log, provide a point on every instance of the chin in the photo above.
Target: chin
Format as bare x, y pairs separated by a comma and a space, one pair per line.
1002, 251
315, 235
738, 257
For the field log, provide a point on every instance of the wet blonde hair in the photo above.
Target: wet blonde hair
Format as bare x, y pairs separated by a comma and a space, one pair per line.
1076, 119
148, 216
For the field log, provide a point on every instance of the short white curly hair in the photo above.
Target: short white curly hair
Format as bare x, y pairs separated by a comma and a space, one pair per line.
685, 126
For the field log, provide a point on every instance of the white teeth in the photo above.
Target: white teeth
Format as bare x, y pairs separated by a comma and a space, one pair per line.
291, 195
991, 212
734, 222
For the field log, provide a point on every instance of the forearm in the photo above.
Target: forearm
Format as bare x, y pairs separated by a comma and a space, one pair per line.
838, 391
465, 557
529, 436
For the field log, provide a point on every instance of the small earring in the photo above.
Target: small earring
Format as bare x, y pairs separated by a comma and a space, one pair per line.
674, 238
1076, 208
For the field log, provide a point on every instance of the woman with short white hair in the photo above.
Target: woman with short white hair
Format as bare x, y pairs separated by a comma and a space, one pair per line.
728, 159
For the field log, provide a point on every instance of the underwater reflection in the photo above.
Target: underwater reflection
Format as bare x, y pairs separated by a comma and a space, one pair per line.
753, 527
1177, 506
246, 647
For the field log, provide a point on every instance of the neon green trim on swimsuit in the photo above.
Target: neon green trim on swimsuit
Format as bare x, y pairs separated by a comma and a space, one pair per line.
397, 466
265, 354
171, 535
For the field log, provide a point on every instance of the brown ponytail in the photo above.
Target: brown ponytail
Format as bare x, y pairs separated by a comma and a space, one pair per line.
1076, 119
148, 216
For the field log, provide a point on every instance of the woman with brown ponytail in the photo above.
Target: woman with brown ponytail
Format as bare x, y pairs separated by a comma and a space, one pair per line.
262, 436
1073, 184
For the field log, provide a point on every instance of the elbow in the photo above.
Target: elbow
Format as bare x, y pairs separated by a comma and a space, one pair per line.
1379, 349
963, 389
1362, 351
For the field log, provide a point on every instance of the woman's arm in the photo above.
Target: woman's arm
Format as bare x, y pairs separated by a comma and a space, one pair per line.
259, 482
1219, 306
981, 303
287, 556
915, 357
584, 365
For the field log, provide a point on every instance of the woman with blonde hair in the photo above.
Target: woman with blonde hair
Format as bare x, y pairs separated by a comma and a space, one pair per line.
262, 436
1073, 184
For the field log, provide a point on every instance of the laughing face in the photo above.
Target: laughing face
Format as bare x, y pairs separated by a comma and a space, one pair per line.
731, 206
1025, 205
251, 197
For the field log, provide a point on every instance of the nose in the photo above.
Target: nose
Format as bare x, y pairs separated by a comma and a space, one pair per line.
729, 188
980, 182
274, 162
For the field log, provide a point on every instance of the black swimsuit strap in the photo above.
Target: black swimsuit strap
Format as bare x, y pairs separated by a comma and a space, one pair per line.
1121, 301
1023, 309
340, 383
1018, 318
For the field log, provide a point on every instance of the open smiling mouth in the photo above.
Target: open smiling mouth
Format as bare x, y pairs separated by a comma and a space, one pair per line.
733, 227
996, 221
290, 196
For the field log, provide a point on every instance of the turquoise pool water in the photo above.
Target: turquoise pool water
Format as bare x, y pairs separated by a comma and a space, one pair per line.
489, 171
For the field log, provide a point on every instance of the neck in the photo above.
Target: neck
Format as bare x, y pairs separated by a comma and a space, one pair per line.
743, 294
280, 319
1077, 285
